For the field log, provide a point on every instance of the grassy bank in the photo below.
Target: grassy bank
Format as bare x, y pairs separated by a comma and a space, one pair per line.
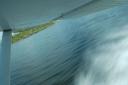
26, 33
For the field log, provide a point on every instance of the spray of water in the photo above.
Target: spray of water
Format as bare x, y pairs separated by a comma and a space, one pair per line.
107, 63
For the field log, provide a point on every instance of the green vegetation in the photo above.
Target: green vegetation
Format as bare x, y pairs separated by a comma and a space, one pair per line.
26, 33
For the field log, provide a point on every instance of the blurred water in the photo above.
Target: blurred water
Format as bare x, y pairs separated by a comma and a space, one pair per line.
90, 50
0, 36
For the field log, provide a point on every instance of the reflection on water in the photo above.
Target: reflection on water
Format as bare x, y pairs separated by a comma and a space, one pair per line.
89, 50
